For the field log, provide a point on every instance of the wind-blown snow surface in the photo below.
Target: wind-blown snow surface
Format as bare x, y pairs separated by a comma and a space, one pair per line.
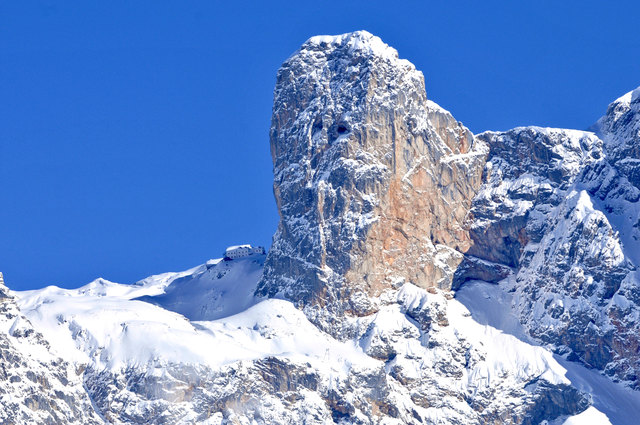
218, 289
107, 325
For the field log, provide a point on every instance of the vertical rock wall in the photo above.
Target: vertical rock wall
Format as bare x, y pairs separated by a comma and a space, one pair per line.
373, 182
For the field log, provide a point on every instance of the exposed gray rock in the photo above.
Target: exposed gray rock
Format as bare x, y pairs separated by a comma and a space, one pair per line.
373, 182
555, 207
475, 268
36, 386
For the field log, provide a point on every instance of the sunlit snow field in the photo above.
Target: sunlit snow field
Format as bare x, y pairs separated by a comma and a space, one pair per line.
108, 325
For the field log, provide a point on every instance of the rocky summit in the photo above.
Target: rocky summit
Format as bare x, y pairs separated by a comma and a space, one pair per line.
373, 182
420, 274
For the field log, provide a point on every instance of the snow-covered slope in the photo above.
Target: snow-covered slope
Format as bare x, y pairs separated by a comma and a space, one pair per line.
219, 289
105, 325
120, 340
420, 358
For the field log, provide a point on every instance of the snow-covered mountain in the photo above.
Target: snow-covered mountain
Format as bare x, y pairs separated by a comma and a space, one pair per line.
419, 274
420, 356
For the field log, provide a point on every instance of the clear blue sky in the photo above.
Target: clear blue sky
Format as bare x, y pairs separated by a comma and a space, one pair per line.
134, 135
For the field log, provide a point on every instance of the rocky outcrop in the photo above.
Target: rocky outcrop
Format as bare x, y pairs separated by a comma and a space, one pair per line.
36, 386
528, 171
377, 186
373, 182
555, 208
620, 130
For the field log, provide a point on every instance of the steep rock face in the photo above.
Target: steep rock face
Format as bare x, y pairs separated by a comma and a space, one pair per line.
36, 386
527, 174
555, 207
373, 182
620, 130
615, 180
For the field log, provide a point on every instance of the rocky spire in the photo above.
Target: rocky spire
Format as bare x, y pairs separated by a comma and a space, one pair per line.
374, 185
373, 182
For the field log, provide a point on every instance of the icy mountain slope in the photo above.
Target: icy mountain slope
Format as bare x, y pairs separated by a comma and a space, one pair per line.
420, 359
219, 289
613, 403
36, 384
555, 209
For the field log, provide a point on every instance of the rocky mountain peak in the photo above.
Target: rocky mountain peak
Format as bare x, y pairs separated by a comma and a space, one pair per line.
619, 110
443, 278
357, 43
373, 182
619, 128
